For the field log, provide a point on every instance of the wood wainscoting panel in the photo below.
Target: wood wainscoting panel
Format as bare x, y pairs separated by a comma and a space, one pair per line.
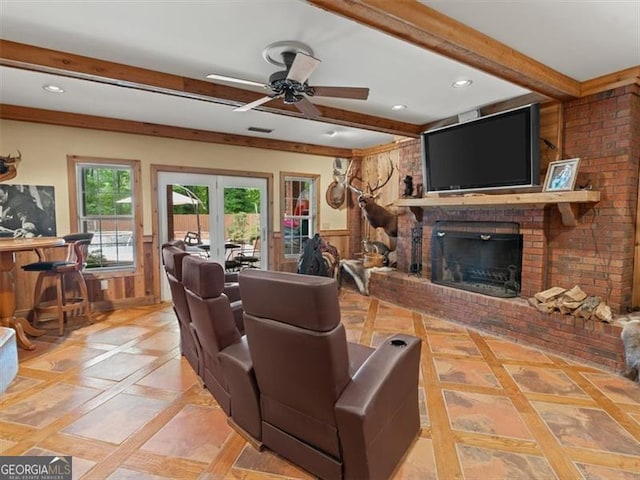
125, 289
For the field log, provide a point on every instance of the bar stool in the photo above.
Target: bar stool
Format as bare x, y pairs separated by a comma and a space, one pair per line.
77, 251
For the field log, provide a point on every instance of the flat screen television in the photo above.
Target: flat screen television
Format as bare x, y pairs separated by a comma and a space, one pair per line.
499, 151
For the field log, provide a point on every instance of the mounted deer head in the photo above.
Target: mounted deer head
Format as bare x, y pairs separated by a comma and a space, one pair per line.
9, 166
377, 215
336, 191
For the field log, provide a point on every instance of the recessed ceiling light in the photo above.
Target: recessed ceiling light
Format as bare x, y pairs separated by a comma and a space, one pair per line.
399, 107
461, 83
53, 89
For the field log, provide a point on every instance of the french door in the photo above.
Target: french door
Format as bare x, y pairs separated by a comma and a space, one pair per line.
218, 216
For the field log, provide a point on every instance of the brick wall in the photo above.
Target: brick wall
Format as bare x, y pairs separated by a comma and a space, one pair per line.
588, 340
597, 254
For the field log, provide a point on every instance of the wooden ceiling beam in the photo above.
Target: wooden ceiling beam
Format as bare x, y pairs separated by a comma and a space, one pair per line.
427, 28
33, 58
66, 119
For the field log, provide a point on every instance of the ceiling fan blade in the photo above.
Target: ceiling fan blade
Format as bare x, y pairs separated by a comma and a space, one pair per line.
302, 67
215, 76
356, 93
308, 108
254, 104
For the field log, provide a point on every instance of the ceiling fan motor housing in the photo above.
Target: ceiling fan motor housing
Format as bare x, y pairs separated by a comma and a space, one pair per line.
290, 89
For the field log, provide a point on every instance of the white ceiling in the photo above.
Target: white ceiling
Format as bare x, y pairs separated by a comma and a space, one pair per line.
194, 38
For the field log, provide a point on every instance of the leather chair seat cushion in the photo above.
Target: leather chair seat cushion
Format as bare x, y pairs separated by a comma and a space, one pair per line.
203, 277
304, 301
46, 266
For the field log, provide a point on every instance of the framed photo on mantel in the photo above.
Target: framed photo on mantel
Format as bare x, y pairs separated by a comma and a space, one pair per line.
561, 175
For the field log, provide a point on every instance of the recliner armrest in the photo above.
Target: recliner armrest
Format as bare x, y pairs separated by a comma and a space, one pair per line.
243, 387
380, 402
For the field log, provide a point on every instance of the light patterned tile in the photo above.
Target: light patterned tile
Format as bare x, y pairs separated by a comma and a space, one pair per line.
117, 335
195, 433
618, 389
545, 380
117, 419
438, 325
586, 427
597, 472
118, 366
5, 444
79, 465
174, 375
62, 359
489, 414
419, 463
165, 340
483, 464
463, 371
18, 385
47, 405
269, 463
125, 474
507, 350
455, 344
393, 318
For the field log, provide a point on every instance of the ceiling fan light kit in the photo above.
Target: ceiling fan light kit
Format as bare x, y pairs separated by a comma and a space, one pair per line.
291, 84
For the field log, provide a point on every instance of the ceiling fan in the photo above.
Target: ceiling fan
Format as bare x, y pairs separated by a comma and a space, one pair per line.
291, 85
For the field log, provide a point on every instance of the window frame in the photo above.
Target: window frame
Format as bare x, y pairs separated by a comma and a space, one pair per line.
314, 208
73, 162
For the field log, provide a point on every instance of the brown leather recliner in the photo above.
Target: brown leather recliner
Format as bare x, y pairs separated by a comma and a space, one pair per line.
226, 367
231, 288
172, 258
337, 409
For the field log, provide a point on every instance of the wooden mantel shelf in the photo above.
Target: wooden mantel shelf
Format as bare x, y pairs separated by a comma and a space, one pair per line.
567, 201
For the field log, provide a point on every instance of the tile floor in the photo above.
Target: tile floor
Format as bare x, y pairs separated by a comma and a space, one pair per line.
117, 396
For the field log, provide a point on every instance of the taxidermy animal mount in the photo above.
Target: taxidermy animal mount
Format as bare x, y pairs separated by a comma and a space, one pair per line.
377, 215
9, 166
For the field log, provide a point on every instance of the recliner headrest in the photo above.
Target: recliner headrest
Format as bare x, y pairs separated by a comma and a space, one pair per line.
172, 258
305, 301
203, 277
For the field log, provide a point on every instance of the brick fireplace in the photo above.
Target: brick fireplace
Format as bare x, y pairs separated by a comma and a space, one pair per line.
597, 254
482, 257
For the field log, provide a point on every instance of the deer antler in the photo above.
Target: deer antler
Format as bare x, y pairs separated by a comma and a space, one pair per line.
378, 186
349, 178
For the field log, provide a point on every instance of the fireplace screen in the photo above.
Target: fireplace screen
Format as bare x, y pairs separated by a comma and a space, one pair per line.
483, 257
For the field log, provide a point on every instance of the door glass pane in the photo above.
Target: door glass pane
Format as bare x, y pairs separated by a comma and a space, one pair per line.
187, 216
242, 210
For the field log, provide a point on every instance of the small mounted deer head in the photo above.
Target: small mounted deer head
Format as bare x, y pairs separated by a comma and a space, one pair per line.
9, 166
336, 191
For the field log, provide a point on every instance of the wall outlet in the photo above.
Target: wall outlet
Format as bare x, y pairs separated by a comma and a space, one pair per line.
104, 284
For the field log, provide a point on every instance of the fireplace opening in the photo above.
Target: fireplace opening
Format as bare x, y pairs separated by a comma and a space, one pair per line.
482, 257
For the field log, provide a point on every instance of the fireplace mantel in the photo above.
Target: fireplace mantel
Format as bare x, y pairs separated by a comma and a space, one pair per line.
567, 201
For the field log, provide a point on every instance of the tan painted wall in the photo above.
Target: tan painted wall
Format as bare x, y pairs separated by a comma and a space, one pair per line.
45, 148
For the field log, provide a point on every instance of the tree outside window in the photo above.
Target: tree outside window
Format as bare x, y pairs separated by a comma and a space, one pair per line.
106, 206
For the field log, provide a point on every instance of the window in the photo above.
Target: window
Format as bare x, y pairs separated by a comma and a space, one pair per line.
107, 205
299, 212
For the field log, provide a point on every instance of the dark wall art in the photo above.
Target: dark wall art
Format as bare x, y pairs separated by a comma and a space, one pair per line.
27, 211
